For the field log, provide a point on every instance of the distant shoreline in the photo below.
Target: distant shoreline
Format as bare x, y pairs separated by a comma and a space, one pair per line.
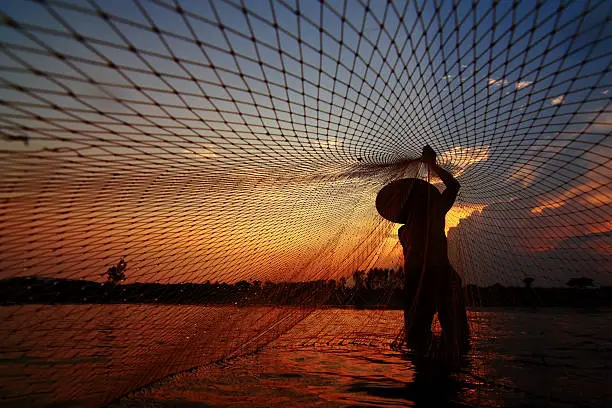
52, 291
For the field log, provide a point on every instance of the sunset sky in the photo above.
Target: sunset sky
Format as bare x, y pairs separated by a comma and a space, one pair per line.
207, 141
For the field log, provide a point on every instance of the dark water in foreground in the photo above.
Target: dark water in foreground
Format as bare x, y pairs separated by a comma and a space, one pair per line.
91, 355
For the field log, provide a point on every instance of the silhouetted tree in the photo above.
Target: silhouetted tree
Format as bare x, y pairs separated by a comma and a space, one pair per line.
528, 281
116, 274
358, 279
378, 278
369, 280
243, 285
580, 282
396, 278
257, 285
331, 284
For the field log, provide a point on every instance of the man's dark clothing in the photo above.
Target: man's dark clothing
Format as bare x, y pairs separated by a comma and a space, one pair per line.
431, 284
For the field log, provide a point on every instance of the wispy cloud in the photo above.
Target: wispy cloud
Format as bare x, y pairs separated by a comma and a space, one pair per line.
497, 82
522, 84
523, 174
461, 158
332, 142
558, 100
201, 152
594, 193
502, 82
601, 124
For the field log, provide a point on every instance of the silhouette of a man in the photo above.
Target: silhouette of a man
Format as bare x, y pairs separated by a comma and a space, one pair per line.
431, 285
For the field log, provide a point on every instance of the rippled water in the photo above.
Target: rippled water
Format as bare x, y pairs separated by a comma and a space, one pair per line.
90, 355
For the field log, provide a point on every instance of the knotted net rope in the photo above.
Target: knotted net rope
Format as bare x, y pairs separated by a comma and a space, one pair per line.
228, 141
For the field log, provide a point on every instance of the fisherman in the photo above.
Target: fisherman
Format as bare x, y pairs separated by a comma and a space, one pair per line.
431, 284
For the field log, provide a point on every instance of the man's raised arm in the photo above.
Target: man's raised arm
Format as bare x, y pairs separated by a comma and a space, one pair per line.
452, 185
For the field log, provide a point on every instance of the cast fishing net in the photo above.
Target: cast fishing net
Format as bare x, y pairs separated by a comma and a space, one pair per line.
240, 145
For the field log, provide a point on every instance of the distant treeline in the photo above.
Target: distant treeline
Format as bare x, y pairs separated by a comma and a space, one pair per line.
364, 293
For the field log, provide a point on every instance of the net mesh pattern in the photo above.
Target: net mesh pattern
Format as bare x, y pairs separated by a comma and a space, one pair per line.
218, 142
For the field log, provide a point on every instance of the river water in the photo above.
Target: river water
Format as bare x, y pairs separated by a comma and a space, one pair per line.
92, 355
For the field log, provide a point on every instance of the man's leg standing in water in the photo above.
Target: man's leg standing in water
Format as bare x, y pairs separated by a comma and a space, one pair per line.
419, 309
452, 313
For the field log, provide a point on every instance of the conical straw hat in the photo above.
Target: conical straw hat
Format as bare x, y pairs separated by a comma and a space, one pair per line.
395, 200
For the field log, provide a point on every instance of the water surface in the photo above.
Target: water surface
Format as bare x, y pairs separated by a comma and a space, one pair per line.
91, 355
